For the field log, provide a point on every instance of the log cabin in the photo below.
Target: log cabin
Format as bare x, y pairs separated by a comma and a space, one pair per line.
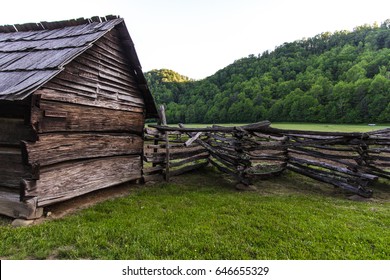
73, 103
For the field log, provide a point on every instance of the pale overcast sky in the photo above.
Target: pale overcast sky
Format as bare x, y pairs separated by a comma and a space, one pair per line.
198, 37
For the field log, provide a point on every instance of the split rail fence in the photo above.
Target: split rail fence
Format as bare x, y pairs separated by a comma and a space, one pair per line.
351, 161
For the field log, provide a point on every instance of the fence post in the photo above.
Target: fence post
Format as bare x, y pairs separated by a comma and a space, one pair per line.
163, 120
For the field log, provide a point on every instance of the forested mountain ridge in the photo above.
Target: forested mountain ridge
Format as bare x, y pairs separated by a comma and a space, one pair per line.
341, 77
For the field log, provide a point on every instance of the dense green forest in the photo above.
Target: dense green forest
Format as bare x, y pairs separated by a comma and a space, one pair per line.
341, 77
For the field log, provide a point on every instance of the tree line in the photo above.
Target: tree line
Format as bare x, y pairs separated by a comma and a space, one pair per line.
340, 77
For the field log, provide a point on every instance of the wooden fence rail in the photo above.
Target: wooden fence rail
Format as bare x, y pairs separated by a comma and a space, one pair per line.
351, 161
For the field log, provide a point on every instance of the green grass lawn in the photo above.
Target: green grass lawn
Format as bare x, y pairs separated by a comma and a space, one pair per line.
315, 126
330, 127
202, 216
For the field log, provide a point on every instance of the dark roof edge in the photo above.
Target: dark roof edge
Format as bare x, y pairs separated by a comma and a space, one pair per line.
151, 109
44, 25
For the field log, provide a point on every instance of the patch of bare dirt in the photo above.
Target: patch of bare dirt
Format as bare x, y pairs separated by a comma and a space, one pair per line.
74, 205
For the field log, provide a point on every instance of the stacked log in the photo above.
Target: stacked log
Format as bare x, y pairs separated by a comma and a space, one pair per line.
227, 154
223, 147
345, 160
171, 154
351, 161
375, 155
13, 127
268, 154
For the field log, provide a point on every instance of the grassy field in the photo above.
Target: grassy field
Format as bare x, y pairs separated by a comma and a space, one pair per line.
200, 215
316, 127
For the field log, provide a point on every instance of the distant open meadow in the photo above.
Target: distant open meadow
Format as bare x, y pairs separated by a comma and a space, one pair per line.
312, 126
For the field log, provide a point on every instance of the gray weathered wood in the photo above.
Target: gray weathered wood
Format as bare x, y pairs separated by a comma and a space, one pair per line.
84, 118
67, 180
11, 206
58, 147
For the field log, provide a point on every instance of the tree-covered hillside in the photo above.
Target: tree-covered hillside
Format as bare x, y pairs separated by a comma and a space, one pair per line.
342, 77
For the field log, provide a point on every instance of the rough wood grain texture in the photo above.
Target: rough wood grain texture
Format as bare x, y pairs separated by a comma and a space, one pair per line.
192, 140
189, 159
212, 129
336, 168
313, 174
68, 96
11, 206
101, 77
67, 180
74, 117
58, 147
173, 154
347, 160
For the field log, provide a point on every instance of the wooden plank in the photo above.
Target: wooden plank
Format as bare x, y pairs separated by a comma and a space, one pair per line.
105, 70
163, 121
308, 133
81, 86
97, 68
162, 117
319, 154
256, 126
194, 138
95, 86
334, 168
196, 130
62, 94
221, 146
163, 146
167, 155
313, 174
377, 171
190, 159
110, 50
178, 153
225, 162
269, 137
67, 180
112, 39
58, 147
105, 60
152, 131
84, 118
230, 141
11, 206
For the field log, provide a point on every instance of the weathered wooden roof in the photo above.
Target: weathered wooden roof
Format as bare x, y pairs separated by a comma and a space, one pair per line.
32, 54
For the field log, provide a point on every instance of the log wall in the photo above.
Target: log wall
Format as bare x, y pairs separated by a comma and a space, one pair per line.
12, 168
79, 132
89, 123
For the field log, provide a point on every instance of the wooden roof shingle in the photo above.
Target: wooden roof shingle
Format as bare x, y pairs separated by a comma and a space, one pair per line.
32, 54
